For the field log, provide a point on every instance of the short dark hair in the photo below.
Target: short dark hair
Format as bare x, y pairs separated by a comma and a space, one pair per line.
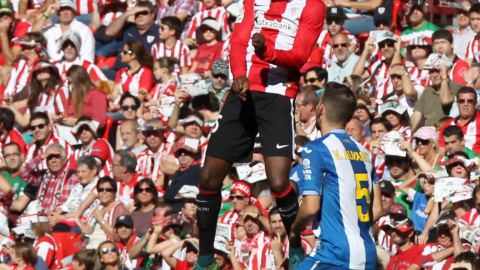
149, 5
87, 160
310, 95
128, 95
173, 23
84, 118
383, 121
453, 130
301, 140
108, 179
7, 118
136, 189
465, 90
442, 33
340, 103
12, 143
273, 212
208, 101
85, 256
127, 159
40, 115
321, 73
466, 256
475, 8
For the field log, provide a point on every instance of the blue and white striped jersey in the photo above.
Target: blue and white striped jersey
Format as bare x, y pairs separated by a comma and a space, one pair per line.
340, 170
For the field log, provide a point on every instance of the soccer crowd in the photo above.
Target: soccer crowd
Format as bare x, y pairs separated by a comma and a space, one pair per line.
107, 108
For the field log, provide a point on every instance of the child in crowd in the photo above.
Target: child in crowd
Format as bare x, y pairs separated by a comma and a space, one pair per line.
84, 259
23, 257
209, 51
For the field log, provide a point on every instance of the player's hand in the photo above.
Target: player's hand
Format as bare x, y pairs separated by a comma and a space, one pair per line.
258, 42
240, 87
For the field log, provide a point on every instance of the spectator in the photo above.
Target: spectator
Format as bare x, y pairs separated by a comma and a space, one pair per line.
100, 222
379, 127
143, 29
45, 245
65, 10
137, 78
87, 182
8, 133
405, 91
109, 256
10, 28
464, 33
70, 44
210, 50
427, 146
145, 196
418, 50
208, 9
383, 18
32, 44
305, 113
471, 79
84, 259
191, 249
355, 129
443, 43
324, 53
170, 44
453, 140
208, 106
419, 26
220, 74
182, 9
472, 47
23, 257
421, 200
408, 256
363, 113
345, 60
129, 107
316, 76
125, 230
187, 152
55, 182
397, 115
466, 100
130, 137
365, 23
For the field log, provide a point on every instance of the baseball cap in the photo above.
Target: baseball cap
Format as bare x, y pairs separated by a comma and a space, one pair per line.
220, 66
397, 211
394, 106
189, 144
72, 36
387, 187
444, 218
189, 120
6, 6
24, 229
188, 192
467, 163
212, 23
41, 65
192, 244
426, 133
124, 220
382, 13
401, 226
336, 13
68, 3
92, 125
383, 35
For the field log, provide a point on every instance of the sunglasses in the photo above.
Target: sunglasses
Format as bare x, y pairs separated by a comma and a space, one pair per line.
238, 197
106, 250
105, 189
126, 107
148, 133
337, 21
67, 43
41, 126
386, 195
423, 142
183, 151
340, 45
148, 190
56, 156
216, 76
381, 22
144, 13
390, 160
462, 101
204, 30
388, 43
127, 52
311, 80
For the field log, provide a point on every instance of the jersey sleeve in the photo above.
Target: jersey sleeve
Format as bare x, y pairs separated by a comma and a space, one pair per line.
240, 39
313, 170
146, 80
470, 53
101, 150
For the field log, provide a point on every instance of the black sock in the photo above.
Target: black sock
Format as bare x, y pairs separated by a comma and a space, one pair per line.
287, 203
208, 207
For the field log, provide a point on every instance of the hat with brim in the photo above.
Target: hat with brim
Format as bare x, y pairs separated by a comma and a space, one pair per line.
188, 192
387, 187
41, 65
382, 13
336, 13
394, 106
92, 125
190, 242
426, 133
220, 243
24, 229
72, 36
186, 143
6, 6
212, 23
459, 159
68, 3
190, 120
401, 226
124, 220
383, 35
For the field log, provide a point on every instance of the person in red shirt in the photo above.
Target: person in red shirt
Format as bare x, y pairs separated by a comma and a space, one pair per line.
210, 50
408, 257
124, 229
443, 43
23, 257
8, 134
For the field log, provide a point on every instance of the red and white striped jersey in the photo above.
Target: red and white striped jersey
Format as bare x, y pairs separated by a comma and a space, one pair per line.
472, 217
384, 239
93, 70
456, 71
268, 259
421, 77
103, 151
46, 248
179, 51
19, 77
124, 249
132, 83
249, 250
429, 263
110, 11
230, 217
13, 136
219, 13
324, 43
51, 102
33, 150
471, 132
473, 49
291, 29
149, 163
381, 79
406, 132
161, 90
23, 26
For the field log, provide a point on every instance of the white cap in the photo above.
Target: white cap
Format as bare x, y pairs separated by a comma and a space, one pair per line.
92, 125
188, 192
220, 243
73, 36
382, 35
394, 106
68, 3
212, 23
24, 229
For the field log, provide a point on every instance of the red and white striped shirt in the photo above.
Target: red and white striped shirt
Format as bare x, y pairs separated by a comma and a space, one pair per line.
149, 163
109, 11
179, 51
473, 49
46, 248
268, 259
471, 132
103, 151
421, 77
219, 13
52, 102
33, 150
324, 43
124, 249
381, 79
291, 29
248, 250
384, 239
13, 136
19, 77
132, 83
93, 70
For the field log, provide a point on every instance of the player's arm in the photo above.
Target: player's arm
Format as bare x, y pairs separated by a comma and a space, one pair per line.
377, 209
309, 207
240, 39
311, 24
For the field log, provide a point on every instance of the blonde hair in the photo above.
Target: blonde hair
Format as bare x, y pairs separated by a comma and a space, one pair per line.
81, 85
